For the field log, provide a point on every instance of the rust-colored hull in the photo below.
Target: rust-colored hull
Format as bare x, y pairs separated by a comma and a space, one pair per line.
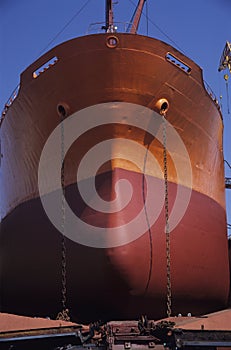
118, 282
126, 281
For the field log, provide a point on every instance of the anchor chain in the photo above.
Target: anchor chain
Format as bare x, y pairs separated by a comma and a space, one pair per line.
166, 206
64, 314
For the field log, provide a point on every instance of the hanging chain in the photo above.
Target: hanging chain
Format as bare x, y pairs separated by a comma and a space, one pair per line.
166, 204
64, 314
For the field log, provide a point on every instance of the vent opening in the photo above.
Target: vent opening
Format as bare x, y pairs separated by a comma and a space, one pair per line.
45, 66
178, 63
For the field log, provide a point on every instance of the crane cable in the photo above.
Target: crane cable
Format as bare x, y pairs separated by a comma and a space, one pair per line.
147, 27
158, 28
226, 77
227, 163
65, 26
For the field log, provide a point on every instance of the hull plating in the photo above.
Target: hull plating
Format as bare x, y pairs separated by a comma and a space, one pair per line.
120, 282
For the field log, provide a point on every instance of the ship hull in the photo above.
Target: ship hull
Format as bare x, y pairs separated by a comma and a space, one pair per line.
119, 282
113, 279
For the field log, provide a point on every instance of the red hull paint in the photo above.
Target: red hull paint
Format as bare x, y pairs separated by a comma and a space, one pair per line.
122, 282
113, 283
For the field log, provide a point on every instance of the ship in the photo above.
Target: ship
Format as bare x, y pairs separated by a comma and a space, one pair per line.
112, 183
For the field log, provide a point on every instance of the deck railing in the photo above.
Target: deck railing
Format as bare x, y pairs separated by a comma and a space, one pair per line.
99, 27
9, 102
212, 95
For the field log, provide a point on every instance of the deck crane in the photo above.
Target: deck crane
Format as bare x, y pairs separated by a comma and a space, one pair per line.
228, 182
228, 179
225, 63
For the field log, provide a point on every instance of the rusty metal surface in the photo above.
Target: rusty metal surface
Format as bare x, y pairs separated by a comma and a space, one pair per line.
220, 320
89, 71
111, 283
143, 334
10, 322
78, 74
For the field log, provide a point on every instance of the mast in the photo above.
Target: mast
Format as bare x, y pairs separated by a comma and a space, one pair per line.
109, 18
136, 17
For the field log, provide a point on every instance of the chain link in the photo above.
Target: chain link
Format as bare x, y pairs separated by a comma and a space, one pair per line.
166, 205
64, 314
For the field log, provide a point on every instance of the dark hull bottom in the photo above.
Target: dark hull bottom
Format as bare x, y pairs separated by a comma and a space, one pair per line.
115, 283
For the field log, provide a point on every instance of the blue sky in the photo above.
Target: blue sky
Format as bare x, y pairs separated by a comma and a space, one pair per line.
199, 28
